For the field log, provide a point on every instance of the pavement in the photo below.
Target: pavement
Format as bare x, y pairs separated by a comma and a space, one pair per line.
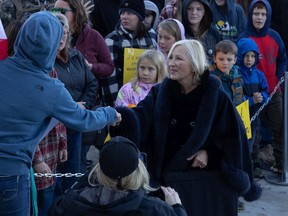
274, 199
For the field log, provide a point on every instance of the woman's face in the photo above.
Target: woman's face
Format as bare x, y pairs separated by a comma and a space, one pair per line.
68, 13
220, 2
195, 12
129, 20
165, 40
179, 66
63, 39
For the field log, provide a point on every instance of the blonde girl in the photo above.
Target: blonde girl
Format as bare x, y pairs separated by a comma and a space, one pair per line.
151, 69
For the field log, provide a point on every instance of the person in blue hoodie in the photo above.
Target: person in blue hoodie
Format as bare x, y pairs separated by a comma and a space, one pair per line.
255, 89
229, 18
30, 99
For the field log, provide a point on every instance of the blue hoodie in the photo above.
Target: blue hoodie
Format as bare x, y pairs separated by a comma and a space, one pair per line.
229, 19
253, 79
30, 97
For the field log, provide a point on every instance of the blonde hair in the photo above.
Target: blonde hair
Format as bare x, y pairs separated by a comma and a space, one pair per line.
197, 57
139, 178
157, 59
171, 27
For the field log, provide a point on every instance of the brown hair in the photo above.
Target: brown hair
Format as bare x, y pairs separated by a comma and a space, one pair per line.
259, 5
80, 14
12, 30
226, 46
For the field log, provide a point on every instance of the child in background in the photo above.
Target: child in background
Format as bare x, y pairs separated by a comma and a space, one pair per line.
151, 15
225, 56
169, 31
255, 89
151, 69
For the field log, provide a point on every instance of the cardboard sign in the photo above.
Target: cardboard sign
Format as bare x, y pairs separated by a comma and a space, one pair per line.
243, 110
131, 56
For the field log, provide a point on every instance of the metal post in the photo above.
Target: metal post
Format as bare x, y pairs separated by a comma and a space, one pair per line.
272, 177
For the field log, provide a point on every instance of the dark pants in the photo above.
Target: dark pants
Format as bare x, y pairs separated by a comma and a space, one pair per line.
45, 199
273, 115
72, 165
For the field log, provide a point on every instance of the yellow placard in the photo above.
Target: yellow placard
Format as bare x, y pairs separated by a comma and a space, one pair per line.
131, 56
243, 110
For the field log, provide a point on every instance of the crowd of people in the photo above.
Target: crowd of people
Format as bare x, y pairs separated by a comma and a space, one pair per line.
200, 59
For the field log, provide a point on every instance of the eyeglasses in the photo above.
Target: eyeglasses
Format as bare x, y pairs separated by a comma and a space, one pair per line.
60, 10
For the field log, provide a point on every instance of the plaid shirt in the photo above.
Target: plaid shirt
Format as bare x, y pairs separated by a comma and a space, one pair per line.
116, 42
47, 150
169, 11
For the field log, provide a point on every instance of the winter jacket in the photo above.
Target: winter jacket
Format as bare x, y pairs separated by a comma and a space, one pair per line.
117, 41
103, 201
77, 78
210, 36
174, 126
253, 79
30, 97
232, 84
273, 59
229, 20
94, 49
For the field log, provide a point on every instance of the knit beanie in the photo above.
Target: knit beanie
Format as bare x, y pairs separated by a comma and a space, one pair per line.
119, 157
136, 7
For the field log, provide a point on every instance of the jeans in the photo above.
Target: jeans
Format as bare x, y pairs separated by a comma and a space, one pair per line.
72, 165
45, 200
15, 195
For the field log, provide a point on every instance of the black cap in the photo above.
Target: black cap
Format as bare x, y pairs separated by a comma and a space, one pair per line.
119, 157
134, 6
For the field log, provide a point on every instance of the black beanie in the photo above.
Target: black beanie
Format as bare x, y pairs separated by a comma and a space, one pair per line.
134, 6
119, 157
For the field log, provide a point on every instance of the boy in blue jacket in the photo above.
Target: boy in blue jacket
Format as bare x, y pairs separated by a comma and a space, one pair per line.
255, 89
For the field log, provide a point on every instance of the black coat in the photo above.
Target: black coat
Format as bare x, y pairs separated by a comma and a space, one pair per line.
217, 129
100, 201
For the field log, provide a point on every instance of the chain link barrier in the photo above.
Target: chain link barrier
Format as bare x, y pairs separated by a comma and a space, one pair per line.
57, 175
268, 100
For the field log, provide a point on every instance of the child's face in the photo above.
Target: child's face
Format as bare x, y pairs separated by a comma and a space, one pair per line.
259, 17
149, 17
147, 72
249, 59
224, 61
165, 40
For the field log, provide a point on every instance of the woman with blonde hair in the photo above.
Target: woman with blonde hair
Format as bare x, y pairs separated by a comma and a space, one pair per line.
187, 125
119, 185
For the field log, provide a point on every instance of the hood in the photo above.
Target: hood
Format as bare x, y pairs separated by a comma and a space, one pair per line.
229, 6
245, 45
38, 40
250, 29
208, 15
181, 28
106, 201
153, 7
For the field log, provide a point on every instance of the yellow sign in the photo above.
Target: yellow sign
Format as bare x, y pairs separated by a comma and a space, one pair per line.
131, 56
243, 110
